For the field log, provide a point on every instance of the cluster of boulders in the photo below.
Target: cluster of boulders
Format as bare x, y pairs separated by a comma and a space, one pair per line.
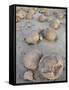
36, 37
50, 67
25, 13
43, 16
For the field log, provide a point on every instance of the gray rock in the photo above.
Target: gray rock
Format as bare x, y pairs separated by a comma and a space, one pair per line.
28, 75
31, 59
51, 67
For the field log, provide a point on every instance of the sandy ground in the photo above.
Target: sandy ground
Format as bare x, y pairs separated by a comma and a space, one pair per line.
23, 29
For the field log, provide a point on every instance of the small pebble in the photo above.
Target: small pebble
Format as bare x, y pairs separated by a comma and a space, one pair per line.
28, 75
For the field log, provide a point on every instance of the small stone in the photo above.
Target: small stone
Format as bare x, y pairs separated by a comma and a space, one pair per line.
33, 38
28, 75
56, 24
32, 11
41, 38
21, 14
42, 18
61, 16
49, 35
44, 11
